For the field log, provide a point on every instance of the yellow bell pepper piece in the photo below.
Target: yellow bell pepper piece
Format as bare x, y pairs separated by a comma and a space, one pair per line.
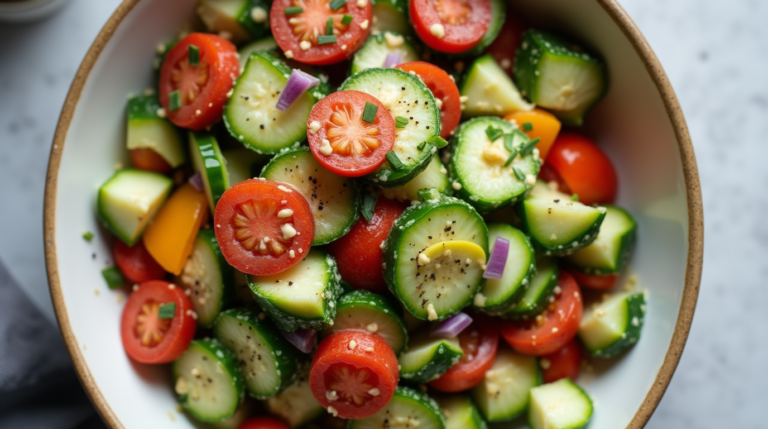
545, 126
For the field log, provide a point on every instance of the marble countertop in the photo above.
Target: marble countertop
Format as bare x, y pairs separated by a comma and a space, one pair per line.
716, 56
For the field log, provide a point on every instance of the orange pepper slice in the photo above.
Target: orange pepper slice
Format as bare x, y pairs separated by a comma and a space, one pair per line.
545, 126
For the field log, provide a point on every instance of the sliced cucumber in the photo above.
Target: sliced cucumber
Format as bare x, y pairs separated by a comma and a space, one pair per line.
147, 130
243, 164
503, 393
296, 404
614, 325
427, 358
424, 244
129, 200
375, 50
244, 411
241, 20
265, 44
208, 161
559, 75
501, 295
434, 176
390, 15
403, 94
536, 297
268, 362
610, 251
408, 409
460, 412
302, 297
208, 381
489, 90
498, 15
559, 405
480, 166
334, 199
367, 311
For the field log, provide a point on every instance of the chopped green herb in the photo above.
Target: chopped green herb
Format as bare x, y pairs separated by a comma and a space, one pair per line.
493, 133
427, 194
437, 141
401, 121
113, 276
293, 10
369, 203
527, 148
329, 26
394, 161
347, 19
518, 173
194, 55
174, 100
369, 113
166, 311
326, 40
88, 235
421, 146
512, 155
336, 4
575, 197
509, 143
527, 126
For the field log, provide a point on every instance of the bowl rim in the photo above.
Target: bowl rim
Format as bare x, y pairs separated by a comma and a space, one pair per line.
674, 112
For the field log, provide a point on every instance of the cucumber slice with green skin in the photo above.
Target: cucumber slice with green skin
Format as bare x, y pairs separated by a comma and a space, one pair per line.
434, 176
302, 297
244, 411
557, 225
334, 199
407, 409
554, 75
403, 94
478, 165
460, 412
296, 405
239, 18
498, 296
265, 44
147, 130
268, 362
498, 15
243, 164
208, 381
612, 248
559, 405
375, 50
503, 393
208, 277
442, 287
614, 325
129, 200
489, 90
537, 295
427, 358
208, 161
390, 15
361, 310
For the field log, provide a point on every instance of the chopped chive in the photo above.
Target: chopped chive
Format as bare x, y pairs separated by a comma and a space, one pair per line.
326, 40
437, 141
401, 121
336, 4
493, 133
519, 174
166, 311
369, 203
421, 146
575, 197
509, 143
293, 10
347, 19
113, 277
88, 235
174, 100
395, 161
512, 155
426, 194
369, 113
329, 26
527, 148
527, 126
194, 55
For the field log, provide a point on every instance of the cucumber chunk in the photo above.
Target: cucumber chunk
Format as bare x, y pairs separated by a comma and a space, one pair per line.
302, 297
559, 405
503, 393
460, 412
415, 102
558, 75
489, 90
147, 130
296, 404
428, 358
208, 381
266, 44
334, 199
375, 50
243, 164
434, 176
613, 325
208, 161
390, 15
536, 297
129, 200
268, 362
407, 409
240, 19
612, 248
498, 15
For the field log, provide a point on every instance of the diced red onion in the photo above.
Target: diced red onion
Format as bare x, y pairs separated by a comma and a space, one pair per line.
451, 327
298, 82
393, 60
197, 181
302, 339
498, 260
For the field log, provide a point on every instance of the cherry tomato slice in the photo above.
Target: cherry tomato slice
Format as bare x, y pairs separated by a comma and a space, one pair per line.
479, 342
585, 168
443, 88
550, 175
146, 337
263, 227
264, 422
564, 363
505, 45
450, 26
355, 373
592, 281
202, 89
148, 159
301, 33
358, 254
552, 329
345, 143
136, 264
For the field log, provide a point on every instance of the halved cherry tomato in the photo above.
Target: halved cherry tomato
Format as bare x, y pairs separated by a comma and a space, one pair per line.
564, 363
505, 45
136, 264
443, 88
202, 88
584, 167
263, 227
148, 159
450, 26
548, 174
594, 281
346, 144
355, 373
553, 328
358, 254
479, 342
264, 422
146, 337
298, 34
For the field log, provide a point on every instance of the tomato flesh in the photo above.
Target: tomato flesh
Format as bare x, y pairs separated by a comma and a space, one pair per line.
585, 168
450, 26
564, 363
443, 88
591, 281
505, 45
136, 264
148, 159
479, 342
264, 422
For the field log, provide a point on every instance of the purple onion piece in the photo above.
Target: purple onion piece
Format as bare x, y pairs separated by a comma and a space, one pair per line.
451, 327
298, 82
197, 181
302, 339
393, 60
498, 260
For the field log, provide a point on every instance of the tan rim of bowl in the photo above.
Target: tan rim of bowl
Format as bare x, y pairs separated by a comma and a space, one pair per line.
690, 172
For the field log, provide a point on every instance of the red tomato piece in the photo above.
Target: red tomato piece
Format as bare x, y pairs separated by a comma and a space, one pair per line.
346, 144
585, 168
263, 227
355, 373
202, 89
591, 281
564, 363
548, 174
443, 88
552, 329
358, 254
146, 337
506, 43
308, 27
136, 264
479, 342
450, 26
264, 422
148, 159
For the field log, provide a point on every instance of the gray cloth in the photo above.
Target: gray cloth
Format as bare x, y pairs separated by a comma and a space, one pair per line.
38, 385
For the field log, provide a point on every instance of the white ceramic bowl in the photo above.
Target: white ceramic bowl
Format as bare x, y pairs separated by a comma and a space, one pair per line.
639, 124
